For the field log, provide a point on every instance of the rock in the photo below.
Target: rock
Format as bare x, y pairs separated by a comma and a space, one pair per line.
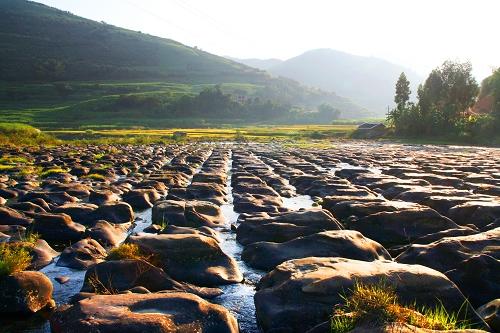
138, 313
479, 213
401, 227
42, 254
57, 228
490, 312
56, 198
62, 279
215, 193
466, 260
16, 232
339, 243
141, 198
301, 293
121, 275
28, 207
195, 259
108, 234
192, 213
102, 197
251, 203
283, 227
204, 231
9, 216
25, 292
114, 212
345, 209
82, 254
427, 239
79, 212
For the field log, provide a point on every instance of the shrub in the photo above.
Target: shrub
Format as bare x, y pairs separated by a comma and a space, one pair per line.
13, 258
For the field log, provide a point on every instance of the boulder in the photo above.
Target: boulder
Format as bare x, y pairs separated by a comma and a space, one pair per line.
490, 312
25, 292
282, 227
402, 226
195, 259
82, 254
466, 260
138, 313
141, 198
301, 293
121, 275
42, 254
478, 213
204, 231
57, 228
114, 212
192, 213
339, 243
9, 216
102, 197
108, 234
252, 203
79, 212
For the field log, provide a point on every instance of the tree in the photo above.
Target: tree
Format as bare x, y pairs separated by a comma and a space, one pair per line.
401, 98
446, 95
402, 91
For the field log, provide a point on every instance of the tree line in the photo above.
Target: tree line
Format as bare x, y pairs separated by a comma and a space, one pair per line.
445, 105
213, 103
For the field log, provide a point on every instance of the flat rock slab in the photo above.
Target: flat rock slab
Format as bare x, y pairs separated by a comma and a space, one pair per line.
301, 293
191, 258
340, 243
138, 313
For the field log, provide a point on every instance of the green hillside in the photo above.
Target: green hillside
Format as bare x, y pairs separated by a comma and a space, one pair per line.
57, 66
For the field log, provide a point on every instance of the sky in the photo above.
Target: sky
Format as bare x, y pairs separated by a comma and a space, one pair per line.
419, 34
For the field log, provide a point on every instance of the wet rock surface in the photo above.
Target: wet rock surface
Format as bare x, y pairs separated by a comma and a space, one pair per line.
217, 216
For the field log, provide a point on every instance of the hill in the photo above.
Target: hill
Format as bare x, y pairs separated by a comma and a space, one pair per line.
44, 49
367, 81
263, 64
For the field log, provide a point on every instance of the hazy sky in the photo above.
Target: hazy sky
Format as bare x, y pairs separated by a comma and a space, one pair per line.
419, 34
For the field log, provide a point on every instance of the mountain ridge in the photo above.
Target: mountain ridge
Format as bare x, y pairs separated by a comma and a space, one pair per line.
368, 81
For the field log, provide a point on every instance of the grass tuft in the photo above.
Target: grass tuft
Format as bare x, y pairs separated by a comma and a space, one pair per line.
377, 305
13, 259
51, 172
95, 176
126, 251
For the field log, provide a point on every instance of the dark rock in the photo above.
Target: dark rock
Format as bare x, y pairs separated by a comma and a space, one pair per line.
339, 243
138, 313
25, 292
82, 255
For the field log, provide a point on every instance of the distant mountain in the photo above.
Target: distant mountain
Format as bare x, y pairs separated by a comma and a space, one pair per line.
263, 64
367, 81
43, 44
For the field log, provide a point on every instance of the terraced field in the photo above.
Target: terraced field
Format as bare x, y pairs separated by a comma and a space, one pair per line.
246, 237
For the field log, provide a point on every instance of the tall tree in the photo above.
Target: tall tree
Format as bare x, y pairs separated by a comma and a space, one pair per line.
402, 91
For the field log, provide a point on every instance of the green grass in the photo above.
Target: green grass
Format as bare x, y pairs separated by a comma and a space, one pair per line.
13, 259
126, 251
52, 172
378, 305
16, 134
95, 176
